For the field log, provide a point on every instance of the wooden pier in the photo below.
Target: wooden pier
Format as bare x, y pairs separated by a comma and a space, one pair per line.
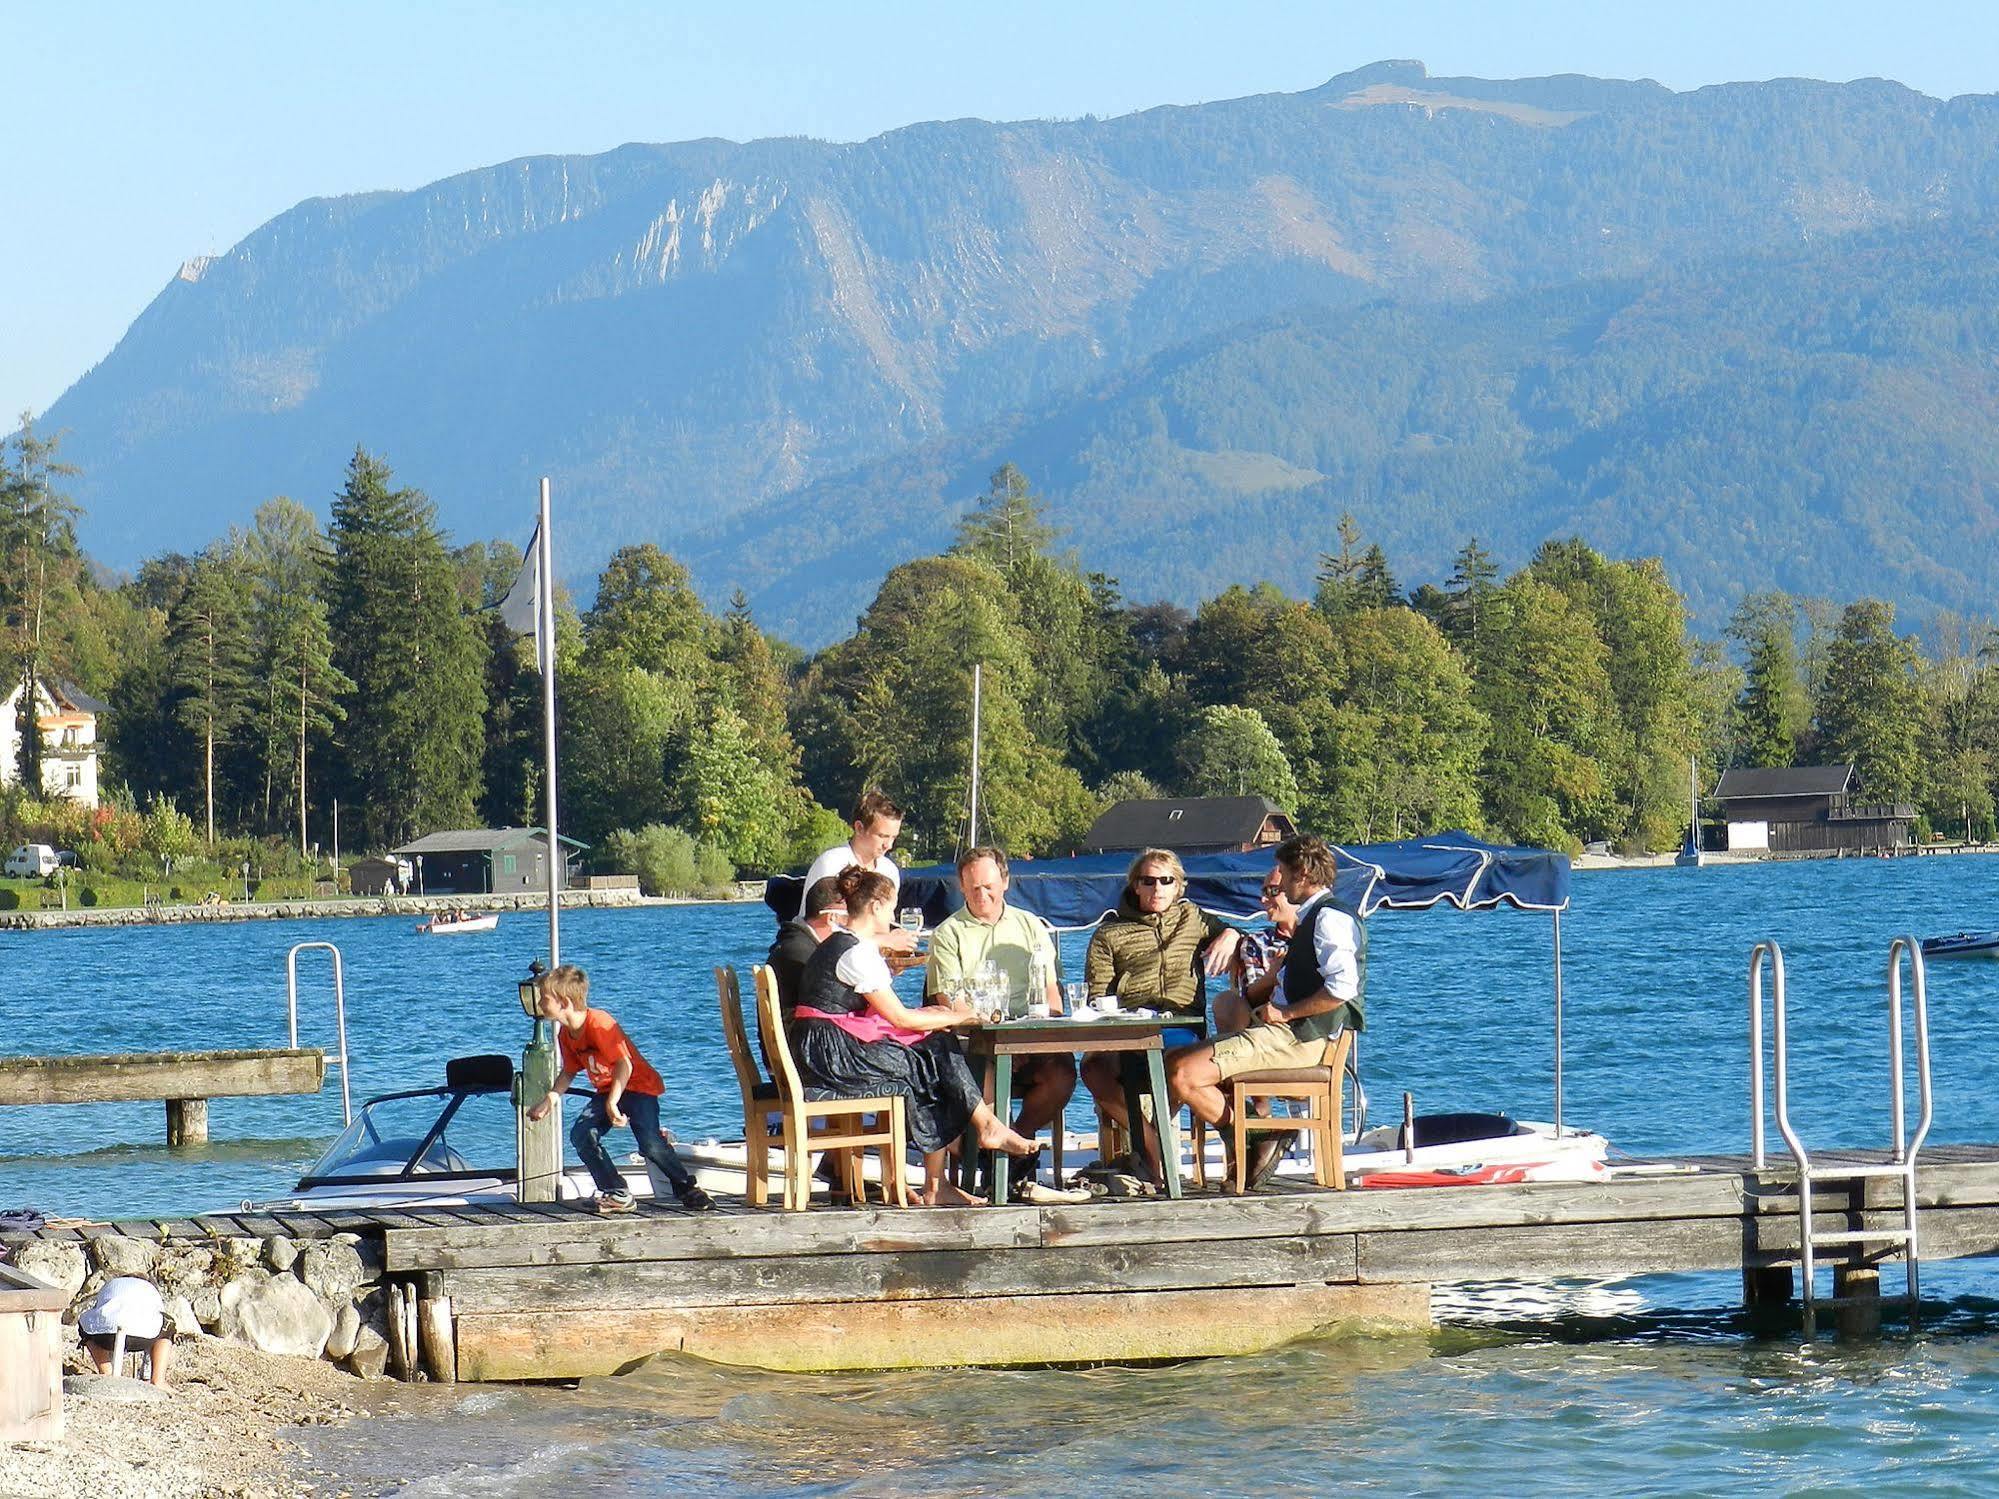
184, 1080
554, 1292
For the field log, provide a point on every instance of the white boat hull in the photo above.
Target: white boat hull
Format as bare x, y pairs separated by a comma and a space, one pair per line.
719, 1166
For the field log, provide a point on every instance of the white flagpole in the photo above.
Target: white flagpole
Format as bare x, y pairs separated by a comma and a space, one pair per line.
545, 637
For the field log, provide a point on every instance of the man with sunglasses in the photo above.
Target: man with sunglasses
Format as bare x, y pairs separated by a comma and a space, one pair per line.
1301, 1006
1155, 950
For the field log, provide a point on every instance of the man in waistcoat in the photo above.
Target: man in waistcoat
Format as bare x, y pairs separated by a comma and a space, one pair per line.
1298, 1008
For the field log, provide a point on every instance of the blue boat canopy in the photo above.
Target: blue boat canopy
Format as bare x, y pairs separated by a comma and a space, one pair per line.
1446, 869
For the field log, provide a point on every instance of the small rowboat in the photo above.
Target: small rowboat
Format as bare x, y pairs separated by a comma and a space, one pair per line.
1962, 945
447, 923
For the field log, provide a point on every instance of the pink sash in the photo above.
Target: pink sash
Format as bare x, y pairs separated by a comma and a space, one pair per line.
866, 1027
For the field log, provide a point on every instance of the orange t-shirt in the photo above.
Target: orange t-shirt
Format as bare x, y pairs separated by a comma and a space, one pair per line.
597, 1049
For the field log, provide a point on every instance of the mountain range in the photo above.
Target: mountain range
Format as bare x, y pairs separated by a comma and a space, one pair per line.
1748, 328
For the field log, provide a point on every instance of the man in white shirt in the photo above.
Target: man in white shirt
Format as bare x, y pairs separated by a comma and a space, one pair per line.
130, 1306
877, 824
1319, 990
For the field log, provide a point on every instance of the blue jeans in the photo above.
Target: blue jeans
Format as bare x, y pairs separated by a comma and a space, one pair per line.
642, 1109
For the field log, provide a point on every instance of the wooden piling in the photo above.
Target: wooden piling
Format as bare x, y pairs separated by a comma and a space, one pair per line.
1857, 1289
187, 1121
437, 1339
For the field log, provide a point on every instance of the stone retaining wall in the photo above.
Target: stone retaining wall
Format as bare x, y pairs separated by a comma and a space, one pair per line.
315, 1298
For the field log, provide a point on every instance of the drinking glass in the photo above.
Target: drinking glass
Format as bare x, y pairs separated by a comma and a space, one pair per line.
1076, 997
911, 920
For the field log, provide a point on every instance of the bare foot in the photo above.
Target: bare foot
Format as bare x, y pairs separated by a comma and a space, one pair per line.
997, 1136
950, 1195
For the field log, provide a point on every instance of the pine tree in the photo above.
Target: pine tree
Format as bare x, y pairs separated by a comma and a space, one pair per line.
410, 756
1005, 527
1473, 581
1339, 576
1773, 712
209, 641
1869, 711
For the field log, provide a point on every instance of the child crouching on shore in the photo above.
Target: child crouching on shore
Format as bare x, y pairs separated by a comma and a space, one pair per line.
628, 1092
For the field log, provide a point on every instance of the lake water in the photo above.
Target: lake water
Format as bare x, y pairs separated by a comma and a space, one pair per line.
1649, 1386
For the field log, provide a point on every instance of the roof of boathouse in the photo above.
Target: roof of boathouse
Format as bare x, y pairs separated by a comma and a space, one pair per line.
1185, 822
475, 841
1795, 780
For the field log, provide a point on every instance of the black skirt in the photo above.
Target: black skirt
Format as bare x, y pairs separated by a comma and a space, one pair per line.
931, 1077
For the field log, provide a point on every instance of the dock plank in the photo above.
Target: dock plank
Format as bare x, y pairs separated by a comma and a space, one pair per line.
909, 1276
678, 1236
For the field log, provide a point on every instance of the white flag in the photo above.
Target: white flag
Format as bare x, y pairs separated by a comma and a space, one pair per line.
520, 610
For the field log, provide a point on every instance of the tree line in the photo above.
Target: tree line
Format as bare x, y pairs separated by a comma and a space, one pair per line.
286, 667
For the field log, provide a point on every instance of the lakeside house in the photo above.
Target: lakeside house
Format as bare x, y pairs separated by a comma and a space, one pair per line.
1814, 809
67, 717
1191, 825
485, 861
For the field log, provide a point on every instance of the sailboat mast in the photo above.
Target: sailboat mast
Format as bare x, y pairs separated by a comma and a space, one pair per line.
972, 811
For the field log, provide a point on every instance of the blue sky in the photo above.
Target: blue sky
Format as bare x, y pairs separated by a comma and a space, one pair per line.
144, 134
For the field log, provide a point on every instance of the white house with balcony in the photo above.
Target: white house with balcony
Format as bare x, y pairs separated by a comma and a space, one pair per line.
68, 718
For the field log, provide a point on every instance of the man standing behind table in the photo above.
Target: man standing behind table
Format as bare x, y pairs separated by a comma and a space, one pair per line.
877, 823
988, 930
1319, 992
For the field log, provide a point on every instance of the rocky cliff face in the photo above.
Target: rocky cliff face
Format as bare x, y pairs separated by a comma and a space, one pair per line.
684, 335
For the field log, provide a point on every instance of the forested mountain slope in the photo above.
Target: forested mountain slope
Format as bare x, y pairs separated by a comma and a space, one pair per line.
1820, 421
682, 334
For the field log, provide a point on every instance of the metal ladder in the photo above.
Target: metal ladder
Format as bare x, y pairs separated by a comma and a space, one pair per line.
339, 1015
1902, 1167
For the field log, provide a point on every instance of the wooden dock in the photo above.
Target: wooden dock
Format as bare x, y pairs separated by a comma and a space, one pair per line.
184, 1080
555, 1292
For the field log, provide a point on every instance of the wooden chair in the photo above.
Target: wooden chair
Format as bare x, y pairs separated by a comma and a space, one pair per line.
760, 1101
1318, 1087
844, 1127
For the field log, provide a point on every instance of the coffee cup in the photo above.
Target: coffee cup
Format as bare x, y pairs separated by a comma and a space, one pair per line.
1038, 1010
1106, 1004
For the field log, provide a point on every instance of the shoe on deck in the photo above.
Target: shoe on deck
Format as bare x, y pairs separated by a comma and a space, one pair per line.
611, 1203
1267, 1155
696, 1200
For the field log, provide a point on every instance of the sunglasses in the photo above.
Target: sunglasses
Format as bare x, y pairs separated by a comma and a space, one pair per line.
1271, 892
1158, 879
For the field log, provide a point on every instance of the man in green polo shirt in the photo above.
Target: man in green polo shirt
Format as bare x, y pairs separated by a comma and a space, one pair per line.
987, 929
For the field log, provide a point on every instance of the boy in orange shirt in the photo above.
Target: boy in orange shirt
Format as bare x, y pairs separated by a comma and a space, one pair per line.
628, 1092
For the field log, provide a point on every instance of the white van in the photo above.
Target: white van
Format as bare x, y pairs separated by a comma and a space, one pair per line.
31, 861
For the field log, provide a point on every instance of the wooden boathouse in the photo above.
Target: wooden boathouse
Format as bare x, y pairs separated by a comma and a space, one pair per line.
552, 1291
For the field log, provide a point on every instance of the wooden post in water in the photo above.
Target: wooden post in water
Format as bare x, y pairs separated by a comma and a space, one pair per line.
187, 1121
1767, 1288
1858, 1290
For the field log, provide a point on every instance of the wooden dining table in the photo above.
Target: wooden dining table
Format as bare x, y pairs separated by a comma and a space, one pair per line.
1142, 1065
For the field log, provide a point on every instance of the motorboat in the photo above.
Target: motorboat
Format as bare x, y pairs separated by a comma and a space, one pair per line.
1962, 945
451, 923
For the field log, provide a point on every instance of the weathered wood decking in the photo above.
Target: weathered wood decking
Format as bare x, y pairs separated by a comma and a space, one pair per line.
553, 1291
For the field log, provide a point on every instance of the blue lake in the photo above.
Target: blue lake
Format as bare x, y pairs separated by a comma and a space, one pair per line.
1652, 1386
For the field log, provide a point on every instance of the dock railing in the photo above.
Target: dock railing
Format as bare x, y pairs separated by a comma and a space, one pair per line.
339, 1014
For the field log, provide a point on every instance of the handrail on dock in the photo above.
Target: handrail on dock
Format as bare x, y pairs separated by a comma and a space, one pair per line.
1780, 1034
339, 1014
1919, 988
